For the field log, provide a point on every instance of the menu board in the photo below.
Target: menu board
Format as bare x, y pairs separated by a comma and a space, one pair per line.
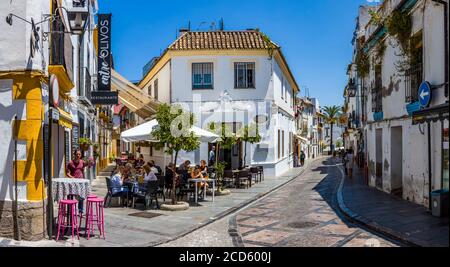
66, 147
75, 138
45, 137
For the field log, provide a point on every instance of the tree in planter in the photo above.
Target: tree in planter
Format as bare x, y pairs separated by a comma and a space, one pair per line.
331, 117
175, 133
249, 134
220, 169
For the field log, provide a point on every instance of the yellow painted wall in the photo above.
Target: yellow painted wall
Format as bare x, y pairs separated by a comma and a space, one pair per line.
27, 86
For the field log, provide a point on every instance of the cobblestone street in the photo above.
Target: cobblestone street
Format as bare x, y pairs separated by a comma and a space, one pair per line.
303, 213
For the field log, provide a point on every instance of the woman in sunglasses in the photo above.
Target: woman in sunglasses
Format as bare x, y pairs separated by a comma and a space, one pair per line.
75, 169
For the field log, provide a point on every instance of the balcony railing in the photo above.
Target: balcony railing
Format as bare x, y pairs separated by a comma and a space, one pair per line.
87, 83
61, 48
377, 100
413, 78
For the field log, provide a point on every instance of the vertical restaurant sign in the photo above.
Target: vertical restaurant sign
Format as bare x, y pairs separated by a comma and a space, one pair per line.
104, 52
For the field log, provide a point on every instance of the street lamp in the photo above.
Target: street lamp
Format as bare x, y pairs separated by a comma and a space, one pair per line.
77, 16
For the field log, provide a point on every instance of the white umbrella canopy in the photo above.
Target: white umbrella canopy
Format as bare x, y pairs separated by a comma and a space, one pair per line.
144, 131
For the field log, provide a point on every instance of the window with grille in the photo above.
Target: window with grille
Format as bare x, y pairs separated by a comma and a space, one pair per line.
377, 96
149, 90
414, 75
155, 85
202, 76
244, 75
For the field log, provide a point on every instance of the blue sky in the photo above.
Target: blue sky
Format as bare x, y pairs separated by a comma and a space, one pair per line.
315, 35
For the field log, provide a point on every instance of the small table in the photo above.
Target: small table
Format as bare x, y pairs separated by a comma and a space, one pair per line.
62, 187
205, 181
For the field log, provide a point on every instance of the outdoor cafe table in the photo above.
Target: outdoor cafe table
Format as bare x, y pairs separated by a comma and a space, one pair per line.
205, 181
63, 187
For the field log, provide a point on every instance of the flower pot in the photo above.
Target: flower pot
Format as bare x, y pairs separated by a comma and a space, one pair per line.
84, 147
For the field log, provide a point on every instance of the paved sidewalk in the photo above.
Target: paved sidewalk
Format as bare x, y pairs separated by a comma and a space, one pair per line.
125, 230
392, 216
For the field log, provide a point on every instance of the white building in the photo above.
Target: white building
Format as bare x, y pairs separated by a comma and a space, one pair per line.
404, 157
233, 77
29, 57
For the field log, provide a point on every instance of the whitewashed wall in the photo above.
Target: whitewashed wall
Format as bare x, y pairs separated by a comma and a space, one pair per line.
415, 143
15, 39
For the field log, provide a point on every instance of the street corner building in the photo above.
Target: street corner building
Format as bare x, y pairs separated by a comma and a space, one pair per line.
236, 78
45, 83
397, 97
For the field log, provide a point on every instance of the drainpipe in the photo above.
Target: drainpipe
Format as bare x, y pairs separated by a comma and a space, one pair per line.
429, 165
16, 202
445, 4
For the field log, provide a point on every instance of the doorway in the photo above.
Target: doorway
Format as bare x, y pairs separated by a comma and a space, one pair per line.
379, 159
397, 161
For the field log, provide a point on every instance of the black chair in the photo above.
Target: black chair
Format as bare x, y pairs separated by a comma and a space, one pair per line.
244, 176
185, 189
150, 194
261, 172
228, 178
254, 172
161, 186
110, 195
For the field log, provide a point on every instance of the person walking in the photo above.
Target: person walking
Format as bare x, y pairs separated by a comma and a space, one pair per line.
350, 160
302, 158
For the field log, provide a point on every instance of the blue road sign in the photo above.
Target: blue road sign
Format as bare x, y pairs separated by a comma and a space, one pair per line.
425, 94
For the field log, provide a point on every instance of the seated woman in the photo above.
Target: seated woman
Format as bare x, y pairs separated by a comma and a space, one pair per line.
140, 162
204, 168
149, 175
197, 174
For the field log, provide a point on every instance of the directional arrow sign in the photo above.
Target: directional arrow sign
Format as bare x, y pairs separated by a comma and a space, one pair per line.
425, 94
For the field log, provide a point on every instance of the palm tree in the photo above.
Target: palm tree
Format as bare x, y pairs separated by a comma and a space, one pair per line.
332, 115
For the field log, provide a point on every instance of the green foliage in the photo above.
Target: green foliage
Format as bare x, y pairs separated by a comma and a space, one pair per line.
332, 114
269, 44
250, 134
376, 18
379, 52
85, 141
175, 129
227, 138
399, 25
220, 170
362, 63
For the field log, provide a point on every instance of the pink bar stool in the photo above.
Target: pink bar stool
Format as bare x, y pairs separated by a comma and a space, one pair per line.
67, 217
95, 215
81, 215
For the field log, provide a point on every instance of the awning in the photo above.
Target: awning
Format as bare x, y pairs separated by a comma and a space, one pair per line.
65, 119
433, 114
133, 97
305, 140
144, 131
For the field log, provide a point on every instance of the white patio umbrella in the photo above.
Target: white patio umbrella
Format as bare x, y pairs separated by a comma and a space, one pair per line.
144, 131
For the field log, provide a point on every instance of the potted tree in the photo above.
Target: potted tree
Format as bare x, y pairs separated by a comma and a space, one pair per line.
174, 133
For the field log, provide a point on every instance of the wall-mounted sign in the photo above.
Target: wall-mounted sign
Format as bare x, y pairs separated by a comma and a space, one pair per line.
425, 94
104, 98
104, 52
54, 89
55, 114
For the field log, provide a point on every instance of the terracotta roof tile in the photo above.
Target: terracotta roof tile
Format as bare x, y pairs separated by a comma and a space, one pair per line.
221, 40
